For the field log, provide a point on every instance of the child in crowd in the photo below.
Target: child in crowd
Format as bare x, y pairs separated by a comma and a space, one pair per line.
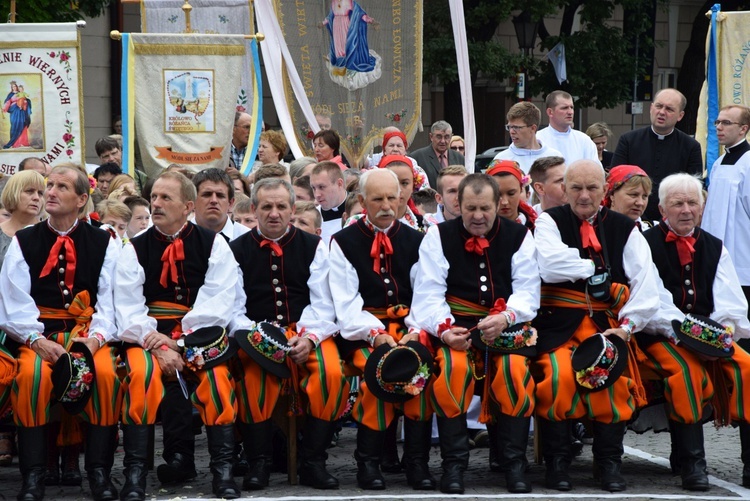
116, 214
141, 219
243, 213
307, 217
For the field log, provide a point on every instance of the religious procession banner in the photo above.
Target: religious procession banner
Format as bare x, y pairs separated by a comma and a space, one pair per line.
727, 75
40, 84
216, 17
179, 96
361, 67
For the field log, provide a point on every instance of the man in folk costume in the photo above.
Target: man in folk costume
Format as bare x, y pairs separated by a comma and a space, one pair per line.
57, 288
371, 277
285, 280
597, 278
700, 281
175, 282
477, 274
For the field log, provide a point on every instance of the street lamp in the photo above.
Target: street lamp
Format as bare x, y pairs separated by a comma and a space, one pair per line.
526, 30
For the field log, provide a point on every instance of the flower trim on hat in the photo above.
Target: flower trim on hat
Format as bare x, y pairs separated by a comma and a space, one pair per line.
267, 346
198, 356
81, 378
596, 375
521, 337
712, 336
412, 387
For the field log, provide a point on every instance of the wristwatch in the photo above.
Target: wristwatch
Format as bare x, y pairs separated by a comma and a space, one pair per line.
181, 345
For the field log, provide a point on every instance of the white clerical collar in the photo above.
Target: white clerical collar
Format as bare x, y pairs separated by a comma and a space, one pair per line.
661, 137
689, 234
727, 149
63, 233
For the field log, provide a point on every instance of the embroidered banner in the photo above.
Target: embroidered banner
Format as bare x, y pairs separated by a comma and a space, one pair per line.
40, 85
183, 101
361, 67
727, 74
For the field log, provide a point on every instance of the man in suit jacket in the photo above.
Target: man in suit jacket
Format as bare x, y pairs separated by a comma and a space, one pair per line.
437, 155
660, 149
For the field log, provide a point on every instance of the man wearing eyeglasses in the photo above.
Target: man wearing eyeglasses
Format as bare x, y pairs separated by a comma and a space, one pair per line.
661, 149
523, 121
727, 213
240, 137
436, 156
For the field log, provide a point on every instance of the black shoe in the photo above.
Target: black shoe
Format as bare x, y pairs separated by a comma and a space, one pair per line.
454, 449
512, 440
417, 439
608, 452
99, 457
556, 449
221, 449
257, 443
368, 453
689, 445
135, 445
32, 454
178, 469
71, 468
312, 468
239, 466
389, 461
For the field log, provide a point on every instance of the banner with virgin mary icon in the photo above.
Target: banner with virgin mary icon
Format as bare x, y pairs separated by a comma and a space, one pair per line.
360, 62
41, 113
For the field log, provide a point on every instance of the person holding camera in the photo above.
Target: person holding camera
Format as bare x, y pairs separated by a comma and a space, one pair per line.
597, 277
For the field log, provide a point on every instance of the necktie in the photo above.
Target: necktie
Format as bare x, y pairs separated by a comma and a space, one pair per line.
70, 259
275, 247
381, 241
588, 237
476, 245
443, 160
685, 247
173, 253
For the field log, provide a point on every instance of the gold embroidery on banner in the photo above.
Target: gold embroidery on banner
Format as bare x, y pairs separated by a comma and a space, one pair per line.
189, 50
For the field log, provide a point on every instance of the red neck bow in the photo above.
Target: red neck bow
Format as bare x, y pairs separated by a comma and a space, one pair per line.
685, 247
381, 241
173, 253
476, 245
275, 247
588, 237
54, 257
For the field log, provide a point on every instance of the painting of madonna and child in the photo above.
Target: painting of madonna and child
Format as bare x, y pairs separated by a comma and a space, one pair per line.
21, 118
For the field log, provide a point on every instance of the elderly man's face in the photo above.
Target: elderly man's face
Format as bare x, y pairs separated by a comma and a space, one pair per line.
241, 131
441, 140
478, 210
682, 210
380, 199
274, 211
584, 187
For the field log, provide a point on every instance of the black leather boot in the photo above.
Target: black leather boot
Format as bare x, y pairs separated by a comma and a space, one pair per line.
71, 466
389, 462
258, 449
312, 467
368, 452
179, 468
417, 439
608, 451
512, 439
556, 449
674, 454
135, 446
454, 449
99, 457
178, 435
745, 444
52, 477
32, 455
221, 448
494, 453
688, 440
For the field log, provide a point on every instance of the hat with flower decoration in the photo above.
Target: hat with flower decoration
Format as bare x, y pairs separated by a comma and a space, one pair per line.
267, 345
397, 374
705, 336
518, 339
599, 361
206, 347
72, 377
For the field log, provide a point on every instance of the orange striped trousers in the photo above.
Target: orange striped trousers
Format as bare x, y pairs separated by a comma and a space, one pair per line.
452, 389
376, 414
512, 387
321, 380
8, 371
557, 396
31, 394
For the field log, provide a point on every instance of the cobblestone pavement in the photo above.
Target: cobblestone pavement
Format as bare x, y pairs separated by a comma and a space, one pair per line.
644, 467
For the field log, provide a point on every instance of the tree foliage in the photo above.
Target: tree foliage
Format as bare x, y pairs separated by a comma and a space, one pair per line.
54, 11
601, 62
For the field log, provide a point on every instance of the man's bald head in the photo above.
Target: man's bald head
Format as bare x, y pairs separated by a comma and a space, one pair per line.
584, 186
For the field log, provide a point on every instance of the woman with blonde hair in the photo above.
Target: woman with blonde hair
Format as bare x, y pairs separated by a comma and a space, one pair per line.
23, 197
122, 180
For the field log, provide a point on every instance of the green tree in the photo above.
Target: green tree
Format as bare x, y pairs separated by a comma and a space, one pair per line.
54, 11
